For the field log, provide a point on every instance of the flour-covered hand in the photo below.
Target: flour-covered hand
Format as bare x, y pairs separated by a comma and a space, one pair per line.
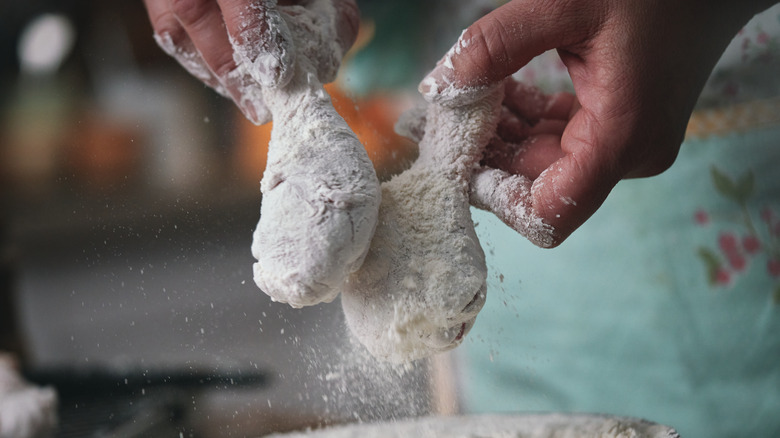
238, 46
637, 69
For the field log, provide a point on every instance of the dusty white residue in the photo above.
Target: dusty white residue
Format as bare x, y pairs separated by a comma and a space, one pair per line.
263, 48
509, 198
190, 59
26, 411
440, 86
500, 426
568, 200
320, 193
423, 280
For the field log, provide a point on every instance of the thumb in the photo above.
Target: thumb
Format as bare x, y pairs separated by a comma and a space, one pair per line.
503, 41
572, 188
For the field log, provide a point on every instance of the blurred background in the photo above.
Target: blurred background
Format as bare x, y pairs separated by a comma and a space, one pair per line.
128, 195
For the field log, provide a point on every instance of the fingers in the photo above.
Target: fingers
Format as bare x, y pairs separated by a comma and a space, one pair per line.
529, 130
239, 46
173, 40
193, 33
202, 21
347, 23
535, 155
574, 186
559, 172
504, 40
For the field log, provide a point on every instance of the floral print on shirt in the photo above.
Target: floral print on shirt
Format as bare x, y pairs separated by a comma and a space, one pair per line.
747, 239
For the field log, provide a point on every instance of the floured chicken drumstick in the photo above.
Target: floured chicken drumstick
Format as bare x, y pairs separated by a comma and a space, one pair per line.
320, 192
423, 281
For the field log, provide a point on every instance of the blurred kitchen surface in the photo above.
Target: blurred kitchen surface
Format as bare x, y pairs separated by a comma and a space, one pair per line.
128, 196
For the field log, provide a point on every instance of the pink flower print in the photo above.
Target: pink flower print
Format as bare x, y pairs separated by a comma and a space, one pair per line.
737, 262
767, 215
728, 244
701, 217
762, 38
722, 277
751, 244
773, 267
745, 44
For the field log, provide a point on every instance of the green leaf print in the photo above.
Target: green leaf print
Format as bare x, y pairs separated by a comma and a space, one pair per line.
711, 263
745, 186
738, 191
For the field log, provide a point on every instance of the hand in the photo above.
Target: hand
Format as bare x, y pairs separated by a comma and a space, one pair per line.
637, 69
217, 40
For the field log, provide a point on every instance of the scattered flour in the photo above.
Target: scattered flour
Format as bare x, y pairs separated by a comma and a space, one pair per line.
320, 193
500, 426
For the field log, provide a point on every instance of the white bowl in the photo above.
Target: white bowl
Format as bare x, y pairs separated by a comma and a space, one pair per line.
499, 426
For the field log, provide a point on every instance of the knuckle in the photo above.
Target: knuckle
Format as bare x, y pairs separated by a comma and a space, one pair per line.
487, 48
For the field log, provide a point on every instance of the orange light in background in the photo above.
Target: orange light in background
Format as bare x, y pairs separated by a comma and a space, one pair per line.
372, 119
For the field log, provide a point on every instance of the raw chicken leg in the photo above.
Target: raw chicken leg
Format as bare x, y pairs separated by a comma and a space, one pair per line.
320, 192
423, 281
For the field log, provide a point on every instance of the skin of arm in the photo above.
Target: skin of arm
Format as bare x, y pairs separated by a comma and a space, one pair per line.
637, 68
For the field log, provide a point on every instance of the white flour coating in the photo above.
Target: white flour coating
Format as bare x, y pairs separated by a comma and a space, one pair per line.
320, 193
26, 411
499, 426
263, 48
509, 198
423, 280
439, 86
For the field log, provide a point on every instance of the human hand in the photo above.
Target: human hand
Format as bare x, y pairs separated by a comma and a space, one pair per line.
637, 69
238, 46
